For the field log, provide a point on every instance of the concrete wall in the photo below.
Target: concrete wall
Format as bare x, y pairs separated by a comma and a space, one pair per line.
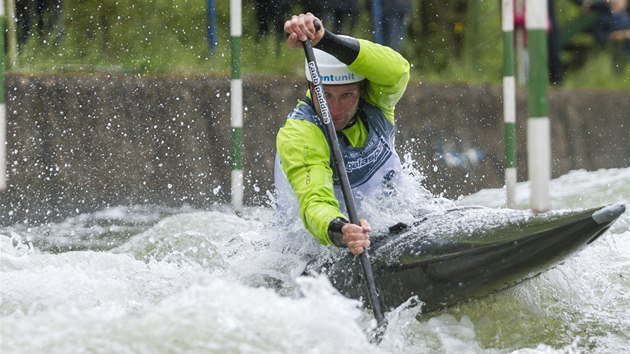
80, 143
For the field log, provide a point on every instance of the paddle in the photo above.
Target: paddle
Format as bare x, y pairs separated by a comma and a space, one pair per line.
345, 185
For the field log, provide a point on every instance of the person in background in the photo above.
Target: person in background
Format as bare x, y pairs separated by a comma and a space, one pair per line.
396, 16
362, 81
613, 28
595, 5
43, 15
264, 16
268, 13
554, 45
340, 16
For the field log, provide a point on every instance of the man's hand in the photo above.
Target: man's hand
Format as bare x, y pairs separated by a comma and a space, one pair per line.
302, 27
620, 35
356, 237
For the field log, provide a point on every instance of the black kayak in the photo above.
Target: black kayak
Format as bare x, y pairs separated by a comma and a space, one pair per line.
451, 256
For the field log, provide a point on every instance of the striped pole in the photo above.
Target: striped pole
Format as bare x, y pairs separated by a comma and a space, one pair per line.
3, 107
236, 106
212, 26
509, 100
538, 127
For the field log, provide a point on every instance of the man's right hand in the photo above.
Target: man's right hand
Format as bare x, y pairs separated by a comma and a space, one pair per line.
301, 28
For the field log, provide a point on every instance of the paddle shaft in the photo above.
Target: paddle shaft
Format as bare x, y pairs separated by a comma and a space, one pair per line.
343, 176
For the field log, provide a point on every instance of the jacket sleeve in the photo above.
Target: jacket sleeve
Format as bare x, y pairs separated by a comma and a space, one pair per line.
305, 159
387, 73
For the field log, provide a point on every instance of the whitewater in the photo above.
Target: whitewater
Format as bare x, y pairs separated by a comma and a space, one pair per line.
151, 279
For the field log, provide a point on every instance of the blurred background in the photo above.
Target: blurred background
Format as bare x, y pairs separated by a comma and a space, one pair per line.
446, 41
129, 102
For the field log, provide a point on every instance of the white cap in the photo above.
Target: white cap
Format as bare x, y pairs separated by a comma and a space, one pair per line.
331, 70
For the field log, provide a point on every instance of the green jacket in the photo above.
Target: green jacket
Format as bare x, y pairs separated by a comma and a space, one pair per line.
303, 149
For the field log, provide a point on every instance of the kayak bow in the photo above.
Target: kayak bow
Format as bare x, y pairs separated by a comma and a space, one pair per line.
468, 252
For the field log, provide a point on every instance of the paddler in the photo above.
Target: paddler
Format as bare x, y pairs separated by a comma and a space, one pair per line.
363, 81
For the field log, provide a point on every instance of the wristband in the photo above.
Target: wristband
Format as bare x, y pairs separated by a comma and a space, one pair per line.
344, 48
334, 231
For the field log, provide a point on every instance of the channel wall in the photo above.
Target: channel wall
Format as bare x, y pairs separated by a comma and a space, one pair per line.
77, 144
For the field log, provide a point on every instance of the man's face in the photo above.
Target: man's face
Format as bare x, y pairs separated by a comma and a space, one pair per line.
343, 102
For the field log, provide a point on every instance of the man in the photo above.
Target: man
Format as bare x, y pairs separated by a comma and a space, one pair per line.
613, 26
363, 81
396, 17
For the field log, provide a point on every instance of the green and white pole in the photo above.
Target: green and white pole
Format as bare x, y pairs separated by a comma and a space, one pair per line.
236, 106
538, 126
3, 107
509, 100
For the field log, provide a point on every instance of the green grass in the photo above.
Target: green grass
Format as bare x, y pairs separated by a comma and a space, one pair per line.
598, 72
158, 37
260, 57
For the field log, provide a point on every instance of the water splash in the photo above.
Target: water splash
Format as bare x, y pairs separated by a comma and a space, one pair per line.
151, 280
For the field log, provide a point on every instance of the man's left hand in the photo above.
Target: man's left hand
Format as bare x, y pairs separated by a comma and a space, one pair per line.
356, 237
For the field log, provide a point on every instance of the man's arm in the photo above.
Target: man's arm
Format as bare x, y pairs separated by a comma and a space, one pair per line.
385, 69
305, 159
387, 72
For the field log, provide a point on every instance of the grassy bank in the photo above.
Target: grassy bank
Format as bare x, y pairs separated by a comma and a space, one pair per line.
170, 37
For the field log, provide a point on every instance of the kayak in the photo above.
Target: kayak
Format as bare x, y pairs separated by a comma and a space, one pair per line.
446, 257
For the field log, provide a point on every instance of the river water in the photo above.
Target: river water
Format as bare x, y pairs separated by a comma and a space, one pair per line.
148, 279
